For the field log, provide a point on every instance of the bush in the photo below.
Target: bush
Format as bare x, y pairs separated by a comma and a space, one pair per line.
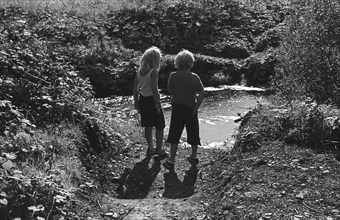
270, 38
314, 126
305, 123
257, 126
36, 76
186, 24
39, 172
259, 68
110, 67
310, 53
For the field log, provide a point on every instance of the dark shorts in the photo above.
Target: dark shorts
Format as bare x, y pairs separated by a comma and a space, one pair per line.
149, 115
181, 116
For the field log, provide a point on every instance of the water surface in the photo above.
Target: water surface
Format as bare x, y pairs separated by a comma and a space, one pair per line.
217, 114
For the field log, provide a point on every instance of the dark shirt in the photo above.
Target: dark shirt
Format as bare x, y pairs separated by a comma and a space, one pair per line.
183, 86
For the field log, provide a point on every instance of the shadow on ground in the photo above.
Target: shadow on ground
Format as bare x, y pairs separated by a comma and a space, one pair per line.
176, 189
135, 183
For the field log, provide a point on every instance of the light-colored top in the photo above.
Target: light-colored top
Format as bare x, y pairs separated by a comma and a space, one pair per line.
183, 86
145, 84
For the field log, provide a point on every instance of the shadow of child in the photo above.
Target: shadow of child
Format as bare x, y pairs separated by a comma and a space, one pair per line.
172, 188
135, 183
175, 189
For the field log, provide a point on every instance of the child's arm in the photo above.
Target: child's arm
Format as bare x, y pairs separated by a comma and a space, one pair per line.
200, 98
170, 85
135, 92
154, 88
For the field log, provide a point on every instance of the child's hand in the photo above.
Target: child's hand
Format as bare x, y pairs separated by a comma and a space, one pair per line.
137, 105
194, 111
158, 108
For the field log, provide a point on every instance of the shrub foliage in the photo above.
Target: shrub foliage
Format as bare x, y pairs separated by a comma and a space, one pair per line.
305, 124
310, 53
207, 27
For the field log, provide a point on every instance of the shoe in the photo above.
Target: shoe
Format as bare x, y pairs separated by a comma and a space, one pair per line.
162, 154
168, 165
192, 160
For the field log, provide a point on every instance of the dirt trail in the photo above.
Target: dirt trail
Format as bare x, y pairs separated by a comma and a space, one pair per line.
148, 191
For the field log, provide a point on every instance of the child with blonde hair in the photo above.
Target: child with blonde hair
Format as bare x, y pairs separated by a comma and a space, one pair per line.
187, 93
147, 100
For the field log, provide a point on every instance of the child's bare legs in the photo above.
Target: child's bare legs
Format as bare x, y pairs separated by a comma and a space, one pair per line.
173, 151
148, 137
194, 151
159, 139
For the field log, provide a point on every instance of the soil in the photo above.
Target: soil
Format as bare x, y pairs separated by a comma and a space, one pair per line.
146, 190
278, 181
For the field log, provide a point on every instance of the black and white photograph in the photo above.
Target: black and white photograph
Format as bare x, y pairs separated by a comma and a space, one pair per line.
169, 109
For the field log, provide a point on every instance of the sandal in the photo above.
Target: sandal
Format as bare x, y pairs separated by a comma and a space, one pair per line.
168, 165
192, 160
162, 154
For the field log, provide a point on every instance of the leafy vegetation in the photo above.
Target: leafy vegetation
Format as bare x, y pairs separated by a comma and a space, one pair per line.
309, 57
56, 139
39, 172
43, 109
305, 124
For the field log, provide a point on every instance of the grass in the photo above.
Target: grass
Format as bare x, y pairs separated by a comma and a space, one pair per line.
101, 7
49, 151
39, 167
86, 7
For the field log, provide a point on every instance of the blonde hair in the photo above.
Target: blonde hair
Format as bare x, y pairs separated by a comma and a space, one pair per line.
184, 60
150, 59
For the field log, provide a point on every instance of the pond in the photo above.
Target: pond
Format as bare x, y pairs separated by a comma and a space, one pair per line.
217, 114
